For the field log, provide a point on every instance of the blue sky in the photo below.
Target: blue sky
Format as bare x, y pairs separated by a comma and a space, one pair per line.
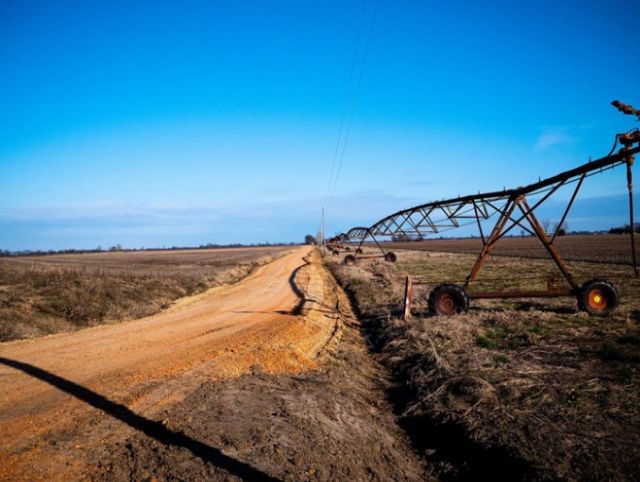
182, 123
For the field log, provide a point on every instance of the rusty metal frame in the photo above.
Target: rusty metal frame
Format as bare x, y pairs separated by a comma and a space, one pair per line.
336, 243
513, 209
438, 216
360, 234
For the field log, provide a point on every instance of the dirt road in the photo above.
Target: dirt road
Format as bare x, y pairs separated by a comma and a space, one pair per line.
52, 386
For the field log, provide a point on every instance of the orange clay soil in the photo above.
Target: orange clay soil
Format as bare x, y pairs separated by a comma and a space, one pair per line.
263, 322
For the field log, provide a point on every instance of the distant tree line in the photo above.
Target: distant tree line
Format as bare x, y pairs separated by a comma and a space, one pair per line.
404, 237
118, 247
626, 229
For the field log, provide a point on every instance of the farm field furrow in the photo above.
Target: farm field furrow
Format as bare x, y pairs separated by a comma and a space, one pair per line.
596, 248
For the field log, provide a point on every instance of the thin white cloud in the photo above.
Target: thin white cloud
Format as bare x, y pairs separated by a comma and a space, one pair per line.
555, 136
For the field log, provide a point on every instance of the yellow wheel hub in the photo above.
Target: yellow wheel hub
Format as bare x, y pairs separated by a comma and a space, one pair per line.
597, 300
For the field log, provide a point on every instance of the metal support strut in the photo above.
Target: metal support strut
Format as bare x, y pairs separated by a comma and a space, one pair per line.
634, 259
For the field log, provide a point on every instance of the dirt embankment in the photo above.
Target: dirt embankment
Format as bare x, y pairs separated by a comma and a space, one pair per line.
266, 379
516, 391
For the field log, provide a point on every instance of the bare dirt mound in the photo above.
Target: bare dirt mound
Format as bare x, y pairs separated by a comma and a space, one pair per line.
325, 425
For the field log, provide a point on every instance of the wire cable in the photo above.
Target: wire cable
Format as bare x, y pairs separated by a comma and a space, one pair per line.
347, 99
353, 102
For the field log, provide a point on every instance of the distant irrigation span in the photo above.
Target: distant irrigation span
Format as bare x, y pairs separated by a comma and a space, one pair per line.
503, 211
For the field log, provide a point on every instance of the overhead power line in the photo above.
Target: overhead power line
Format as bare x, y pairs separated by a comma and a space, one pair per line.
353, 91
347, 98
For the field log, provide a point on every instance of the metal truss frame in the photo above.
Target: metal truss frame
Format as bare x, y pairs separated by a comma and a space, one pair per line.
513, 208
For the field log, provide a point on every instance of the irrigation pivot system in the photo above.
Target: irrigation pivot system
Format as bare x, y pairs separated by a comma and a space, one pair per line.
510, 208
336, 244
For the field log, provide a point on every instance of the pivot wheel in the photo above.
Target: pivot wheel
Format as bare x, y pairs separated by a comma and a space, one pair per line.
390, 257
598, 297
350, 260
447, 300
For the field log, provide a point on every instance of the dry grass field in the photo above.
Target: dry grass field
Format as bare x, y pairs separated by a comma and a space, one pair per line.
49, 294
597, 248
531, 386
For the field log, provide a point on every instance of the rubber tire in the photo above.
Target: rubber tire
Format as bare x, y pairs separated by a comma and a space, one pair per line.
608, 290
350, 260
359, 251
336, 252
390, 257
457, 294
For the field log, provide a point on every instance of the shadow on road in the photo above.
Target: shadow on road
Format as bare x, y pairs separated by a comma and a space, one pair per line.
296, 289
285, 312
302, 298
151, 428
